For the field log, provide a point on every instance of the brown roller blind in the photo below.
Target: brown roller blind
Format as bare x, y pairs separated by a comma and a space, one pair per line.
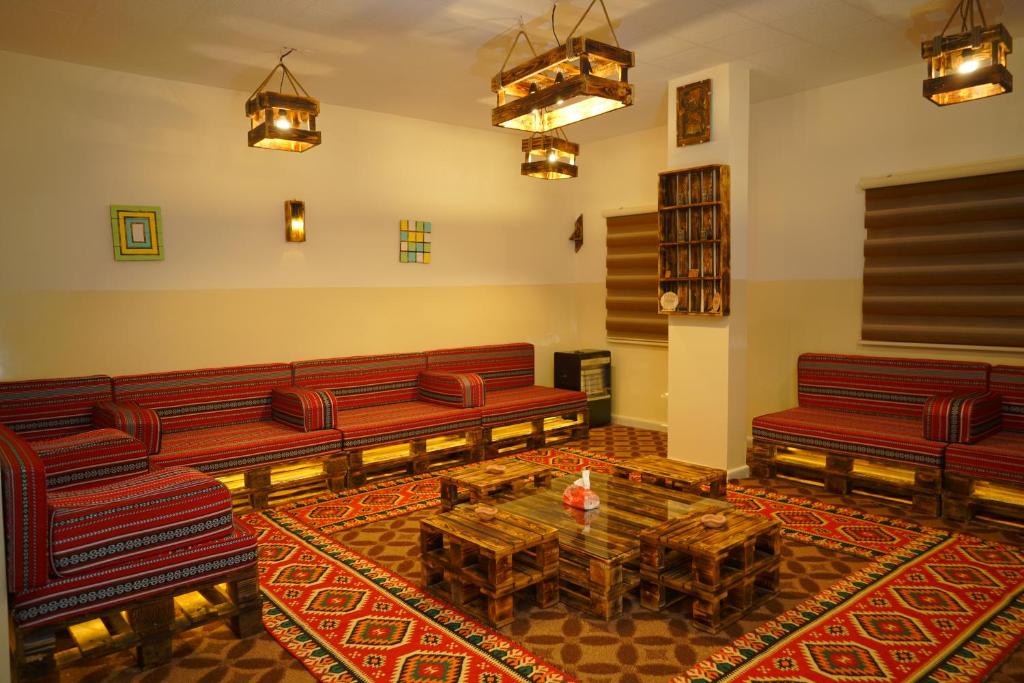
944, 262
632, 306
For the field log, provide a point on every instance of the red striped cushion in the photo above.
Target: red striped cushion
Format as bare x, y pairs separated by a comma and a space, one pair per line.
525, 403
105, 588
962, 417
48, 408
156, 512
452, 389
1008, 382
195, 399
873, 436
95, 457
998, 458
883, 386
24, 500
377, 425
131, 418
304, 409
360, 381
502, 366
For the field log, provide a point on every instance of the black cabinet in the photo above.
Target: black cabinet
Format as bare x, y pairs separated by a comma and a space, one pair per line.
589, 371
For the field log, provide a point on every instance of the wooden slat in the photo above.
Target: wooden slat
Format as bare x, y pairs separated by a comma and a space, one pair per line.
632, 263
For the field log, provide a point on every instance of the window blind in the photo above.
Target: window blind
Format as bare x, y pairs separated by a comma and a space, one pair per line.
944, 262
631, 304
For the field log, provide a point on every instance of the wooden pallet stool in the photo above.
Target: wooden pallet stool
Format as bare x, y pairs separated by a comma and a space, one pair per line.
482, 485
723, 573
479, 566
676, 474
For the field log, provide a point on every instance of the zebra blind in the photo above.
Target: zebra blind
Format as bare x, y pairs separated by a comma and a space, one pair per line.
631, 305
944, 262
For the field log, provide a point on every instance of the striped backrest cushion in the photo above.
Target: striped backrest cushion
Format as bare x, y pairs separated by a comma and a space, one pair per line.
24, 499
209, 397
359, 381
502, 366
1008, 382
52, 408
884, 386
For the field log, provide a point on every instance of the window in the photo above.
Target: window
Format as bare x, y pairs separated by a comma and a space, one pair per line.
944, 262
632, 300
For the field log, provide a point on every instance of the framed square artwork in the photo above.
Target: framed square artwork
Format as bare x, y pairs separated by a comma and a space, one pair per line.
138, 234
693, 113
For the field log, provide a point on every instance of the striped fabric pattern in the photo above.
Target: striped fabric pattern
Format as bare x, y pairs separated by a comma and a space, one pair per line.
24, 500
95, 457
882, 386
158, 512
378, 425
872, 436
304, 409
209, 397
962, 417
452, 389
1008, 382
502, 366
234, 448
50, 408
109, 587
999, 458
361, 381
525, 403
141, 423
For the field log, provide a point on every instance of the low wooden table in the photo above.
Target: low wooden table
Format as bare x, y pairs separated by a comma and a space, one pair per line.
484, 486
479, 566
676, 474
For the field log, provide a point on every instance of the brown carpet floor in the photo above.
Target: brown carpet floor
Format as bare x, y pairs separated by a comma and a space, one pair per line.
640, 647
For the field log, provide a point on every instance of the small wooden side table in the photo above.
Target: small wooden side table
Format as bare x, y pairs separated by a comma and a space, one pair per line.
676, 474
483, 485
479, 566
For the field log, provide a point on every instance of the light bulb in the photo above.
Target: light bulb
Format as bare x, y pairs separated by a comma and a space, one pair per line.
968, 66
281, 121
552, 157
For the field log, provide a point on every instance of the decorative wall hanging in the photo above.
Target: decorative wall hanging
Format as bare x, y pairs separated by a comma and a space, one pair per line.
414, 241
294, 220
968, 65
577, 233
279, 120
693, 113
138, 234
549, 156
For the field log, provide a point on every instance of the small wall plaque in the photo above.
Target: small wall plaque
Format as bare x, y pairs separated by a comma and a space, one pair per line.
693, 113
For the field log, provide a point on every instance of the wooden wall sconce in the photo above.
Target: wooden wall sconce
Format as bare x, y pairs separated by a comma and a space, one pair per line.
295, 220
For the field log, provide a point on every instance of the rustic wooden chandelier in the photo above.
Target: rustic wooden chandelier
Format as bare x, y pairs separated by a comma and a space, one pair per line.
577, 79
279, 120
968, 65
549, 156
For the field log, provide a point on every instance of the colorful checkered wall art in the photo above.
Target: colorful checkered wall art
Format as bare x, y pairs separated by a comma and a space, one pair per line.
138, 235
414, 241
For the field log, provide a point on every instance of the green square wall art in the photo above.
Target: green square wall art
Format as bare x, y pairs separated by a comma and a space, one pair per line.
138, 235
414, 241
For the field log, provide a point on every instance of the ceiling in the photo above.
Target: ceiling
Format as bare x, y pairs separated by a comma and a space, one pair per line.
433, 59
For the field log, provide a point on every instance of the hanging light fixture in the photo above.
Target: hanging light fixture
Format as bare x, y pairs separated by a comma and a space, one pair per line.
576, 80
279, 120
549, 156
968, 65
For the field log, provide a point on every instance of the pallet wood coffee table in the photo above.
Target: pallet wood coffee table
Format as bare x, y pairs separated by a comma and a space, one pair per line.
676, 474
479, 566
484, 486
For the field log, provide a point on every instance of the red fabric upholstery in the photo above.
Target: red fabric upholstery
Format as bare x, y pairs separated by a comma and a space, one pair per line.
1008, 382
304, 409
452, 389
211, 397
999, 458
131, 418
157, 512
377, 425
360, 381
50, 408
96, 457
24, 499
962, 417
873, 436
503, 366
525, 403
882, 386
131, 580
238, 447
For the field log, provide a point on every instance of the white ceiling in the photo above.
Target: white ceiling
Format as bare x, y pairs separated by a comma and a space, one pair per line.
433, 59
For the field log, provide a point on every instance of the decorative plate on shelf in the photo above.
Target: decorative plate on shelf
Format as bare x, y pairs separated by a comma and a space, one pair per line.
669, 301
